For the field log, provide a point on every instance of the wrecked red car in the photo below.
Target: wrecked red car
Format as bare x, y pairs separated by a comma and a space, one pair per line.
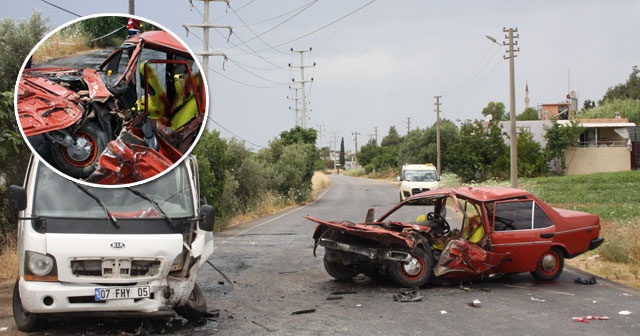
466, 233
132, 117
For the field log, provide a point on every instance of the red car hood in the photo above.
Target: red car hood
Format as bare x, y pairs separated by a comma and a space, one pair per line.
392, 234
45, 106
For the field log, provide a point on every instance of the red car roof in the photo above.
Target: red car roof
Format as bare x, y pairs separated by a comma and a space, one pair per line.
159, 39
482, 194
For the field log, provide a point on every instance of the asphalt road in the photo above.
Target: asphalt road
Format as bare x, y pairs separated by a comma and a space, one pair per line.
275, 274
279, 288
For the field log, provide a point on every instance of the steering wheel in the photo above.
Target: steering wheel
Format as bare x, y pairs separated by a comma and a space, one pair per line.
441, 221
506, 222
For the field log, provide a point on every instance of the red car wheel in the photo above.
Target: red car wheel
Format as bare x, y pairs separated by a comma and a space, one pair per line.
550, 265
414, 273
79, 159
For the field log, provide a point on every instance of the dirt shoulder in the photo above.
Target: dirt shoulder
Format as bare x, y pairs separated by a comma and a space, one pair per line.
6, 313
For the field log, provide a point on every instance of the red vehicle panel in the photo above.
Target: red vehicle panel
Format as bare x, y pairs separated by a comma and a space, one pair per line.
96, 123
460, 233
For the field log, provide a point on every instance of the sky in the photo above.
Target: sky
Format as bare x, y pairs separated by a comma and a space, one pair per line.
380, 63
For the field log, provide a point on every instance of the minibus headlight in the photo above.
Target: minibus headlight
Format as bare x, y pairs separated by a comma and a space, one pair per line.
40, 264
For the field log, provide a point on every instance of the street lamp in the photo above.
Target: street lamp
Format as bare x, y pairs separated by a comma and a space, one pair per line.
512, 99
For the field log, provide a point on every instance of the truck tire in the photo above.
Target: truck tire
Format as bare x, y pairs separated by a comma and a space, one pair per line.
80, 161
339, 271
196, 308
415, 273
25, 321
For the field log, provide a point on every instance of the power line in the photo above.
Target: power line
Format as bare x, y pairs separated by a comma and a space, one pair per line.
243, 67
235, 135
254, 33
325, 26
254, 74
60, 8
304, 7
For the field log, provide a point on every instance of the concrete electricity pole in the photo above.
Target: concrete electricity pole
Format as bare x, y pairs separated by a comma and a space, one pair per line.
355, 138
438, 162
206, 25
303, 108
512, 98
375, 133
408, 122
512, 103
132, 7
294, 101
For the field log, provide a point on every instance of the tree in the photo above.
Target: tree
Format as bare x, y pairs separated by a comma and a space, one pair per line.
476, 154
420, 146
588, 104
342, 153
216, 181
559, 138
299, 135
16, 41
529, 113
625, 108
392, 138
531, 161
629, 90
98, 27
496, 111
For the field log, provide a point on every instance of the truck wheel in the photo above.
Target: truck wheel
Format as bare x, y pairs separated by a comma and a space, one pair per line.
339, 271
196, 308
414, 273
25, 321
80, 159
550, 265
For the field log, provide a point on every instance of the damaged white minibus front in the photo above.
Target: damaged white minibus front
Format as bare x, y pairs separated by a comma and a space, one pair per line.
132, 251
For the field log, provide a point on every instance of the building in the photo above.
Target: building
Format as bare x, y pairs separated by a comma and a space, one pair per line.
605, 146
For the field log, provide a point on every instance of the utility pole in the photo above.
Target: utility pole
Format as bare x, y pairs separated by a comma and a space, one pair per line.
375, 134
321, 130
294, 101
355, 138
206, 25
132, 7
303, 109
408, 122
438, 162
512, 102
334, 150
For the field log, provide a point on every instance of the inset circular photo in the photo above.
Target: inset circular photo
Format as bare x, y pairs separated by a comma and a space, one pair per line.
111, 100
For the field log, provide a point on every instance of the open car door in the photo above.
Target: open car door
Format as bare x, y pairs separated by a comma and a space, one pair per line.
460, 255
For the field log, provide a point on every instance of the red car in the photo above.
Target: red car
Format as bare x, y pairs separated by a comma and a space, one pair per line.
133, 116
458, 233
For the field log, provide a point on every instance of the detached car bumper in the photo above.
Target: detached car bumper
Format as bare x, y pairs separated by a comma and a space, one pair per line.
595, 243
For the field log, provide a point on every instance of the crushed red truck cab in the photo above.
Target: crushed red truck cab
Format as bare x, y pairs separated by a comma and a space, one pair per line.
146, 99
458, 233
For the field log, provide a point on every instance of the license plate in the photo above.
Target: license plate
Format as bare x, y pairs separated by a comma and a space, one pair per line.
119, 293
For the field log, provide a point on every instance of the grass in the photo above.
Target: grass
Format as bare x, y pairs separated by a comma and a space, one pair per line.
271, 204
9, 258
64, 43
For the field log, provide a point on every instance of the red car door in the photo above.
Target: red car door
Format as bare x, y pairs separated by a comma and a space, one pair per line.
519, 227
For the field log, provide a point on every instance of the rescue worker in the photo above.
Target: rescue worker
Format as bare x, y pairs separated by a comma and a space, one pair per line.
134, 26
